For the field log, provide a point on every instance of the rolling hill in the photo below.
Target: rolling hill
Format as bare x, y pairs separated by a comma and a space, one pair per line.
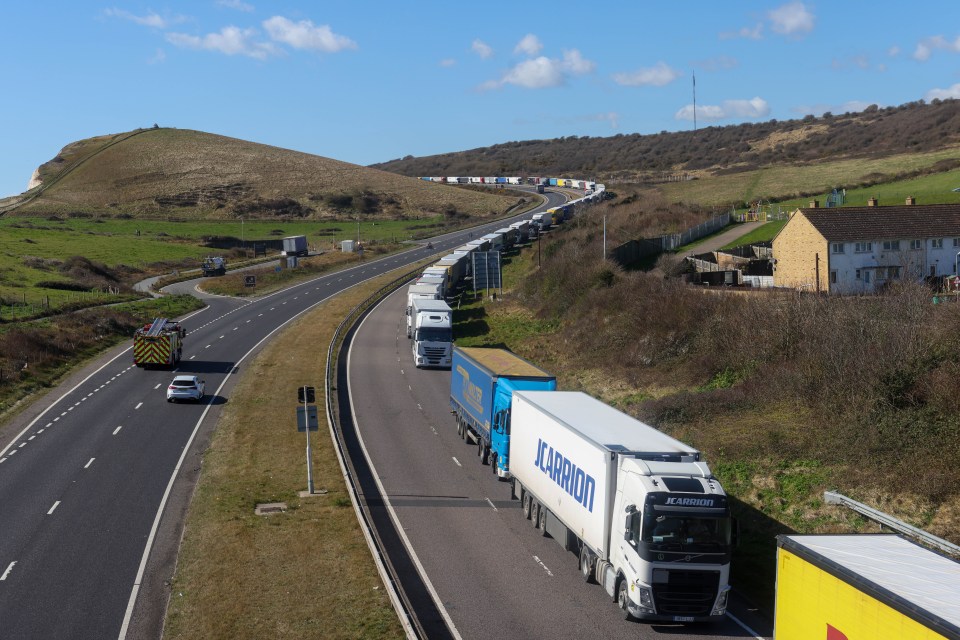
178, 173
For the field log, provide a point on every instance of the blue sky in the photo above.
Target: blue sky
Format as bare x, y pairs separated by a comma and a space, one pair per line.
367, 82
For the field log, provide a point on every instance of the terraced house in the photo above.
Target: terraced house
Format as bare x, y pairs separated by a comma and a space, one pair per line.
861, 249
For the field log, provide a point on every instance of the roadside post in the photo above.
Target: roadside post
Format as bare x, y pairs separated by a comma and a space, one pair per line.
307, 422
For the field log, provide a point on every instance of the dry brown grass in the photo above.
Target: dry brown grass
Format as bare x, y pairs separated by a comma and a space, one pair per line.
219, 174
306, 573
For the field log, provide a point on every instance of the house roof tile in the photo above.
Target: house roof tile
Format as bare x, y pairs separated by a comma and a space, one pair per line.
851, 224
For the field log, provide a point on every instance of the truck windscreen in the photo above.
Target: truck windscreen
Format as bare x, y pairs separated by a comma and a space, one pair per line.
686, 532
429, 334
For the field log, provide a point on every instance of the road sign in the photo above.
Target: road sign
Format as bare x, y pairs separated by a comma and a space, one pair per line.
249, 281
307, 415
306, 394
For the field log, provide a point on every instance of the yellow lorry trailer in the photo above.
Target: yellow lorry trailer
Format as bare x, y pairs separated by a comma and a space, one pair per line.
864, 587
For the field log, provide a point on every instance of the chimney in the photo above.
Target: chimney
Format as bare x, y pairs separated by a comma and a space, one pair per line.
872, 202
814, 204
911, 200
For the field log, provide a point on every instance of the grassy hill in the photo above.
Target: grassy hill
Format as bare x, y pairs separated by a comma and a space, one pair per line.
165, 173
738, 163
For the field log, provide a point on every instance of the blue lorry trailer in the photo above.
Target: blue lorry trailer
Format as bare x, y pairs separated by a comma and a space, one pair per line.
482, 383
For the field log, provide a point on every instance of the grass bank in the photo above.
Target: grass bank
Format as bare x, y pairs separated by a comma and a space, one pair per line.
305, 573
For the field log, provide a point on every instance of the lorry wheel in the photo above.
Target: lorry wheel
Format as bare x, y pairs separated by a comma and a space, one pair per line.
460, 428
623, 600
525, 502
586, 564
534, 512
542, 520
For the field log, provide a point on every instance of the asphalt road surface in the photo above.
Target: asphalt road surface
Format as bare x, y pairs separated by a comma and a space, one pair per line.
96, 477
489, 569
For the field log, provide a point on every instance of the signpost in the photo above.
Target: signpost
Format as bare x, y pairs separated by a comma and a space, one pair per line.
307, 422
249, 281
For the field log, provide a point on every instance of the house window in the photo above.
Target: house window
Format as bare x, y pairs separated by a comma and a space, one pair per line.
837, 247
833, 277
866, 276
936, 243
891, 245
858, 275
956, 242
866, 247
916, 245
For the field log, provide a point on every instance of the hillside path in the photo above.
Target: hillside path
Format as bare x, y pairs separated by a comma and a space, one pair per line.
724, 238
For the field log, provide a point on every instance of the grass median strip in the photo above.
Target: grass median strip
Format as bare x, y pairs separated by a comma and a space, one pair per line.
303, 573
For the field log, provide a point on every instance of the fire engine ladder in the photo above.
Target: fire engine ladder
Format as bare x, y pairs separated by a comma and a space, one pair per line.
156, 327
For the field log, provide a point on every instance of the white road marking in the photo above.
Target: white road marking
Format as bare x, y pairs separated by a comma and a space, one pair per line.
22, 445
7, 572
89, 394
549, 573
745, 627
57, 418
39, 431
63, 414
490, 502
139, 404
192, 357
259, 314
55, 505
31, 437
89, 462
2, 460
248, 322
49, 424
117, 430
157, 387
235, 328
71, 408
220, 338
12, 452
457, 461
207, 347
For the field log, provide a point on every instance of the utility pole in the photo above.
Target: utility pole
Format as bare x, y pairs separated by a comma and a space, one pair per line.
694, 101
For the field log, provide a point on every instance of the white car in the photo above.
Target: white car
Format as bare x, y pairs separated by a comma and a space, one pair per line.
185, 388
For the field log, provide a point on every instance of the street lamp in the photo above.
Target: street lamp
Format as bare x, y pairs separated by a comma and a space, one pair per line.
242, 244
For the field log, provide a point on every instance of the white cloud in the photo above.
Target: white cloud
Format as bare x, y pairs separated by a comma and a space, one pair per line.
158, 57
529, 45
543, 72
152, 19
791, 18
754, 33
944, 94
230, 40
658, 75
927, 46
237, 5
753, 109
482, 49
448, 62
306, 35
893, 51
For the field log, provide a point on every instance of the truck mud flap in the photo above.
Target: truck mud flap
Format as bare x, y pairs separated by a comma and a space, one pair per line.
559, 532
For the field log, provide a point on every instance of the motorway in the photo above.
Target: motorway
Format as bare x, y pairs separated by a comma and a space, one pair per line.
96, 477
490, 570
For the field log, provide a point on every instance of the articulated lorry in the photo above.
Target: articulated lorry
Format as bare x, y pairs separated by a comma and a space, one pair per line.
647, 518
414, 291
159, 343
864, 587
482, 383
432, 333
295, 246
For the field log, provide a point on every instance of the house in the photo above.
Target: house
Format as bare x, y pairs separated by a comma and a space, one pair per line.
860, 249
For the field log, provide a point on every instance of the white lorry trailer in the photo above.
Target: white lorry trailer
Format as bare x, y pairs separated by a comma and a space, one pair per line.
432, 333
414, 291
645, 515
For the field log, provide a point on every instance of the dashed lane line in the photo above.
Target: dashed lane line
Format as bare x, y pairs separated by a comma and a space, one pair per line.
6, 573
55, 505
89, 462
117, 430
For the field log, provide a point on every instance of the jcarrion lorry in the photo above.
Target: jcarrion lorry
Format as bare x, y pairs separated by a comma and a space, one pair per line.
159, 343
864, 587
648, 519
482, 383
432, 333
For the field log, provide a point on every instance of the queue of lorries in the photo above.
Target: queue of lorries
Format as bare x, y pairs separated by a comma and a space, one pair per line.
642, 511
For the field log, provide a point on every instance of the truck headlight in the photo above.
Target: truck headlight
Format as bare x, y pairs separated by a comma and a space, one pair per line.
720, 608
645, 599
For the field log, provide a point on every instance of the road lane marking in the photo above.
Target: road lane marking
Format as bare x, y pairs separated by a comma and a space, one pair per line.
7, 572
117, 430
540, 562
220, 338
22, 445
745, 627
457, 461
56, 419
31, 437
55, 505
207, 347
192, 357
490, 502
2, 460
139, 404
89, 462
158, 386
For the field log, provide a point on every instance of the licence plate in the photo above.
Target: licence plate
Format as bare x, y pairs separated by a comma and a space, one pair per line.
683, 618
